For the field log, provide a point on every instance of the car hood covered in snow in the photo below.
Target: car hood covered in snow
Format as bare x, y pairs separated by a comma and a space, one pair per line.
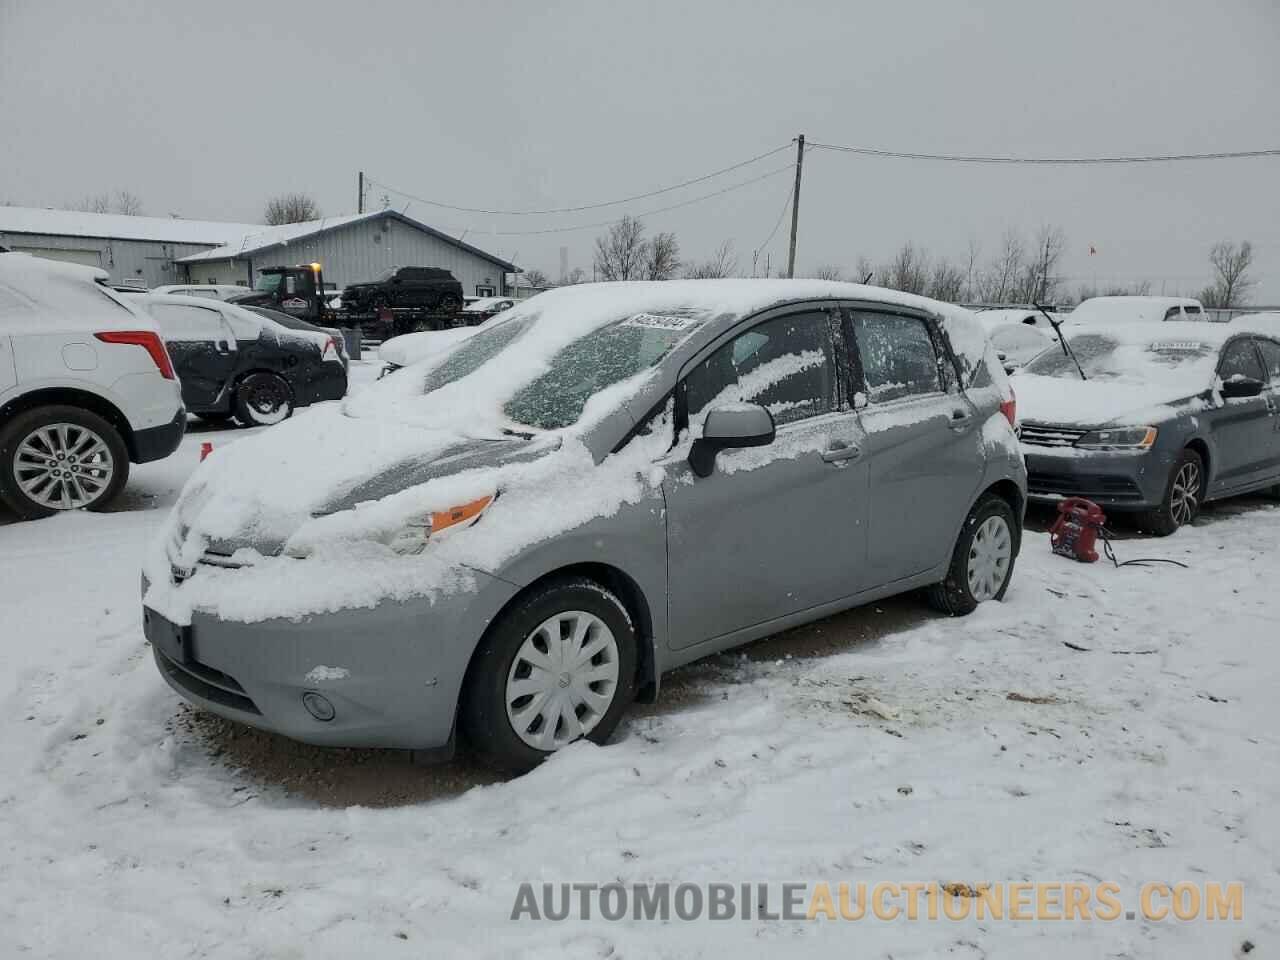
1092, 403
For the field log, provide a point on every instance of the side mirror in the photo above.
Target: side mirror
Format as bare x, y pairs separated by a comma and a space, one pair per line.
726, 428
1238, 387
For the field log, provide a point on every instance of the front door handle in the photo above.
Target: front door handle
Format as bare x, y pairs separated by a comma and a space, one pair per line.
840, 452
960, 420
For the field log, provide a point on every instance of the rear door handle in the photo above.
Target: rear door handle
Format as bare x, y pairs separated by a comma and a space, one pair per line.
960, 420
840, 451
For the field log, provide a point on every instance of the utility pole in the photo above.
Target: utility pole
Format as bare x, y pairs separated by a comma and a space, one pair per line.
795, 207
360, 202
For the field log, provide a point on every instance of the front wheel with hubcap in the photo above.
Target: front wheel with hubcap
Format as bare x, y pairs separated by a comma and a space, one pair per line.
263, 399
1182, 496
60, 458
559, 666
982, 562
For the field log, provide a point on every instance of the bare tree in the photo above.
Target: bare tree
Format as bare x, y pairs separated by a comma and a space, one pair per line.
827, 272
290, 208
722, 263
971, 276
1040, 280
128, 203
864, 272
535, 278
1000, 281
662, 257
621, 252
1231, 280
122, 201
908, 271
946, 281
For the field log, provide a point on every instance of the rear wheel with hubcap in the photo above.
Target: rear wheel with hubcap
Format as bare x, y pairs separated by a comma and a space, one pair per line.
982, 562
263, 399
60, 458
557, 667
1182, 497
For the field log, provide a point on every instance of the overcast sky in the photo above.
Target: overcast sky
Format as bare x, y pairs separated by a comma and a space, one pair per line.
205, 110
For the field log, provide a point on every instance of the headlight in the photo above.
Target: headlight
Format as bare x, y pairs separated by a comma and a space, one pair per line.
1119, 438
413, 536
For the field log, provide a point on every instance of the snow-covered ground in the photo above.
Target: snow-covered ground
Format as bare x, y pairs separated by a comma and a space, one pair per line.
879, 745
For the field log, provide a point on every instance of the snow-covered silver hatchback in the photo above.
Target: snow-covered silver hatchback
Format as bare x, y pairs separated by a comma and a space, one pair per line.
515, 539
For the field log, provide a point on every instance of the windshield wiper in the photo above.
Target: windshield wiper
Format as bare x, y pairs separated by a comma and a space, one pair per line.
1066, 348
522, 434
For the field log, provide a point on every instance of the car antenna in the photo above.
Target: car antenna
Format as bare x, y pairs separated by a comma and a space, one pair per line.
1066, 347
867, 278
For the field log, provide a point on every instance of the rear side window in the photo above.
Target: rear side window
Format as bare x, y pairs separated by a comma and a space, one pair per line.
899, 359
1173, 313
1271, 357
188, 323
784, 364
1240, 359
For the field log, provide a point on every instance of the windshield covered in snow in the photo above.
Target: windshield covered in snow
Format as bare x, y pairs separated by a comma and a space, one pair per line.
1109, 358
588, 365
581, 369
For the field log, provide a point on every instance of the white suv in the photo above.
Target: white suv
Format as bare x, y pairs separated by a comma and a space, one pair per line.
86, 386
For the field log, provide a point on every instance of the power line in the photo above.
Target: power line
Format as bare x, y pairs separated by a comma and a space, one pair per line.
1060, 161
648, 213
785, 207
585, 206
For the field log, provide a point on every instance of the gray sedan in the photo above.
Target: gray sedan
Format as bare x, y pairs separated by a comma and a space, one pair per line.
1158, 419
516, 539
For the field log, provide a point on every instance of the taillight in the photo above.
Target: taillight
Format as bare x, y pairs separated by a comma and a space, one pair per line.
149, 342
330, 351
1010, 408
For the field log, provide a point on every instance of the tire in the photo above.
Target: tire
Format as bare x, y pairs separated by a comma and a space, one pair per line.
215, 418
504, 664
978, 572
1183, 495
263, 399
91, 462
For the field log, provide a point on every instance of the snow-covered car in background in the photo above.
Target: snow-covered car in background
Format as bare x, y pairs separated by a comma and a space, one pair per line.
1170, 416
1136, 309
487, 307
411, 348
516, 536
1018, 335
297, 323
236, 363
207, 291
86, 387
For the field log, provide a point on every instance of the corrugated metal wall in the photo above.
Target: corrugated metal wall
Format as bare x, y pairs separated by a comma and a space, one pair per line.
121, 258
363, 250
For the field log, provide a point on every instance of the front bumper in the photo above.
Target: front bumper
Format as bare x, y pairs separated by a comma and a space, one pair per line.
1120, 481
391, 674
156, 443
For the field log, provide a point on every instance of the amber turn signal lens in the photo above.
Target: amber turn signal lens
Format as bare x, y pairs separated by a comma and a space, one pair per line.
460, 514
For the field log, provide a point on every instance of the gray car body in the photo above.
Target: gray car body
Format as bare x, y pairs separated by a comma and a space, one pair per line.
1238, 440
698, 565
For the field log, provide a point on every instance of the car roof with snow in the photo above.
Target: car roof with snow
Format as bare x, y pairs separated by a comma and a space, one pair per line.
1173, 331
33, 289
1128, 308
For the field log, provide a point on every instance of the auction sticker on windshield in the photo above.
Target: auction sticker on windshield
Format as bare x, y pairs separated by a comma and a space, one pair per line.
660, 322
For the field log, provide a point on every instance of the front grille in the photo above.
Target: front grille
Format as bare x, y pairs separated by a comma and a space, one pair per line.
206, 683
1049, 435
1083, 485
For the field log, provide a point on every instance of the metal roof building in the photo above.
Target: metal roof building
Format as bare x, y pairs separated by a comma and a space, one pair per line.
137, 248
163, 250
351, 249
